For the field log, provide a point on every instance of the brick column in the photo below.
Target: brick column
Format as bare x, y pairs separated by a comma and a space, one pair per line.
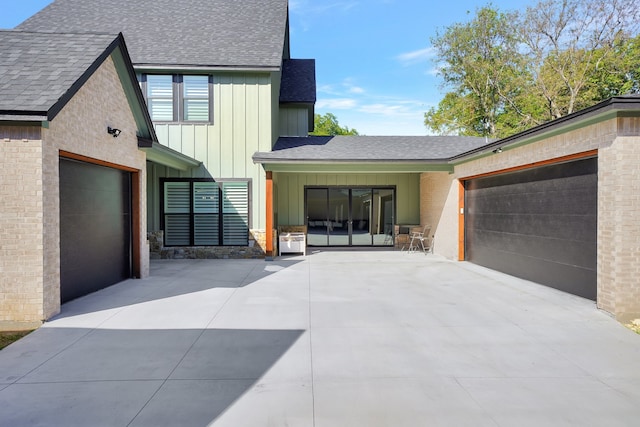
619, 228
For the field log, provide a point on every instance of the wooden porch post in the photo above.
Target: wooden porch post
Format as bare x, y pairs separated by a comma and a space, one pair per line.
461, 213
269, 223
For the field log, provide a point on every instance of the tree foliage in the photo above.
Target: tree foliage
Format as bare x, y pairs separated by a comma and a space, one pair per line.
507, 71
327, 125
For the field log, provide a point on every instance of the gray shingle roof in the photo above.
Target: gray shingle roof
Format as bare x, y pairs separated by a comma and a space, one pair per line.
368, 148
298, 81
241, 33
37, 70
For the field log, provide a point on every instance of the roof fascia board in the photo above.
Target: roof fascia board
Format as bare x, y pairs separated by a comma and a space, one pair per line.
155, 68
356, 167
23, 116
129, 81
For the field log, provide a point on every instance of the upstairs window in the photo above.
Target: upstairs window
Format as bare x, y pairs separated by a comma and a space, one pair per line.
178, 98
160, 97
195, 94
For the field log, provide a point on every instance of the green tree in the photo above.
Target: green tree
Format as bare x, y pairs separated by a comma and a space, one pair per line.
506, 72
570, 43
327, 125
481, 66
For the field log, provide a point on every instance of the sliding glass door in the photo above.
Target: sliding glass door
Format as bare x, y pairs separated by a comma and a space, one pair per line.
344, 216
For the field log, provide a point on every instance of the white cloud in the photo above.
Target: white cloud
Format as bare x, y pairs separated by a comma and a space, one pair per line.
346, 86
336, 104
416, 56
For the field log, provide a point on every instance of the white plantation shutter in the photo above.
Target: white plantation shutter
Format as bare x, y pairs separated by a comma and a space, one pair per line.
177, 198
235, 209
196, 98
177, 206
206, 197
160, 97
177, 230
206, 200
206, 230
206, 213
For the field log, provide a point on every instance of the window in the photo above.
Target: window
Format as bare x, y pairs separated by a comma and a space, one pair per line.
205, 213
177, 98
196, 98
160, 98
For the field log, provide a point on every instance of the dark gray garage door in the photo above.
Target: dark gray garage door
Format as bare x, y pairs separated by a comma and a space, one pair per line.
538, 224
95, 227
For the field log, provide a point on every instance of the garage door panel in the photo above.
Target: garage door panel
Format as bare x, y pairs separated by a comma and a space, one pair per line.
95, 228
536, 200
556, 226
567, 278
535, 248
537, 224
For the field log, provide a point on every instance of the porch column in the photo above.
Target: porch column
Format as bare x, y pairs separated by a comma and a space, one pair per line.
269, 222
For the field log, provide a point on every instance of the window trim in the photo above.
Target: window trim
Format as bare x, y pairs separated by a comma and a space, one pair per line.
178, 97
192, 214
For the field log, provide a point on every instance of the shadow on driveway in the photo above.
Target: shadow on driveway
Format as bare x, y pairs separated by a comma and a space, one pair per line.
133, 377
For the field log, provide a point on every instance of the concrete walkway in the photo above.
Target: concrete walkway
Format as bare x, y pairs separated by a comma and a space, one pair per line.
328, 340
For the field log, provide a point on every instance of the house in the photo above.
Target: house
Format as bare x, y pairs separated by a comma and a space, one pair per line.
232, 110
220, 85
72, 119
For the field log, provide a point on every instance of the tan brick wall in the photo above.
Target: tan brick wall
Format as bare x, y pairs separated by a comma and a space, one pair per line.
619, 228
21, 228
438, 208
81, 128
618, 203
30, 217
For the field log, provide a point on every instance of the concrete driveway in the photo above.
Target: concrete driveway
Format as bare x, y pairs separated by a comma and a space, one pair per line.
328, 340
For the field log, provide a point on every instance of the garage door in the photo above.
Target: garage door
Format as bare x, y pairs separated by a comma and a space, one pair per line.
95, 227
539, 224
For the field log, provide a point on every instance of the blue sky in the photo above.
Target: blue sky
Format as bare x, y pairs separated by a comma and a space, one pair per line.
375, 67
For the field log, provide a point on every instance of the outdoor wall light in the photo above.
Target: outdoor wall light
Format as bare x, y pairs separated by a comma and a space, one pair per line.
497, 150
113, 131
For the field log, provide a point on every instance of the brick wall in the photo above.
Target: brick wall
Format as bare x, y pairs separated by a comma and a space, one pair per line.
21, 228
619, 226
81, 128
618, 145
438, 208
29, 189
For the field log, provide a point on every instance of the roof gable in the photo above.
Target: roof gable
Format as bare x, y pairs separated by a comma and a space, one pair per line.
39, 70
194, 33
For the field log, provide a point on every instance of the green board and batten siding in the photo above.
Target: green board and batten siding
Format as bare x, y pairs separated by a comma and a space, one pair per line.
290, 192
242, 124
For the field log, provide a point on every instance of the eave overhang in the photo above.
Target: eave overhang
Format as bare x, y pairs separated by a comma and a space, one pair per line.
609, 109
353, 166
158, 153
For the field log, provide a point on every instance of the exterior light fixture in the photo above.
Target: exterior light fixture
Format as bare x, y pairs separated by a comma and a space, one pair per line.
113, 131
497, 150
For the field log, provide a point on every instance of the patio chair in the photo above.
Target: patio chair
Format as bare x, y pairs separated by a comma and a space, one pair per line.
418, 239
426, 243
